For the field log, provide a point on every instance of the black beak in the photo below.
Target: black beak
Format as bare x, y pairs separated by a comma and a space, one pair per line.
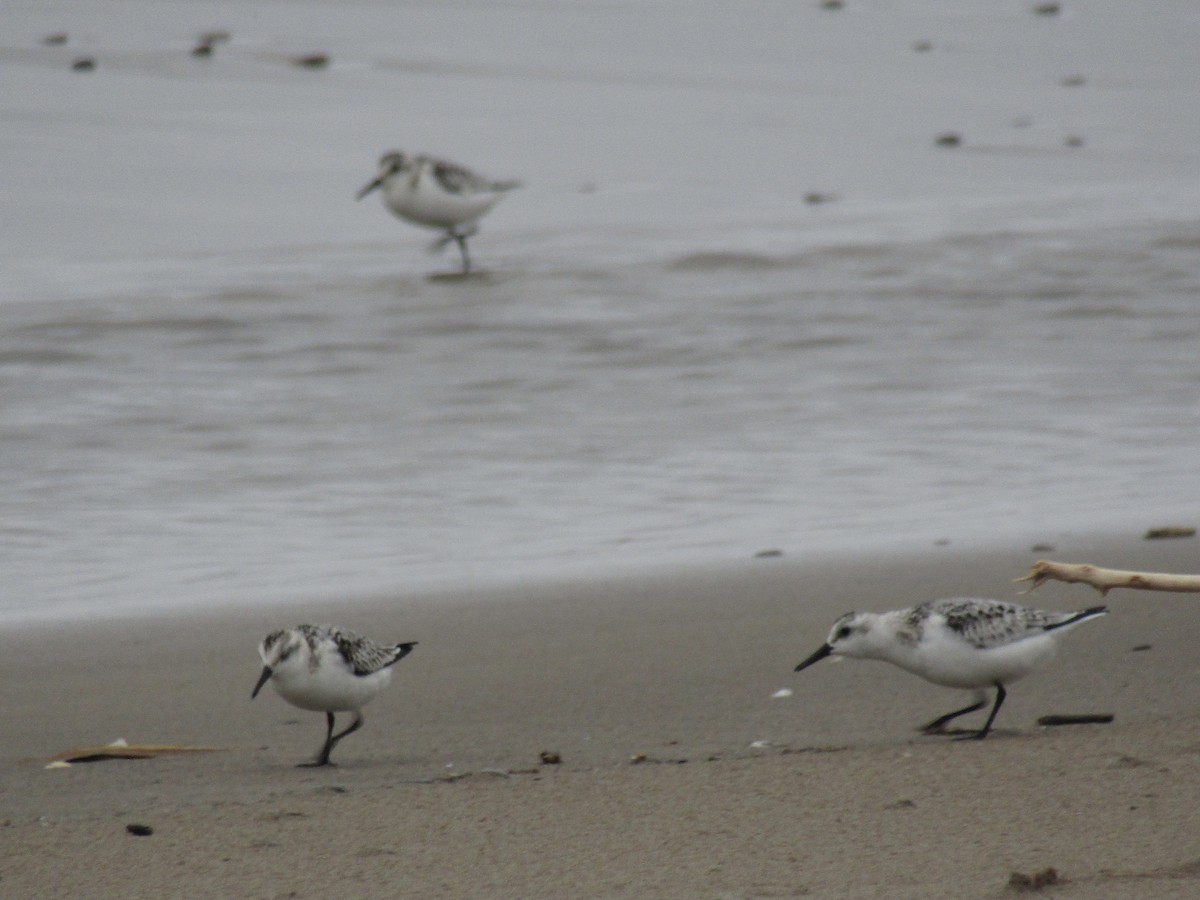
262, 679
368, 188
816, 657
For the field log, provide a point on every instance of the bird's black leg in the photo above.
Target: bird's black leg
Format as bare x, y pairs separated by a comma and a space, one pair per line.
323, 758
983, 732
938, 725
354, 726
462, 248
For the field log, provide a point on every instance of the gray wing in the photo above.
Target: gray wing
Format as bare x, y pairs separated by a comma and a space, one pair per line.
992, 623
365, 656
456, 179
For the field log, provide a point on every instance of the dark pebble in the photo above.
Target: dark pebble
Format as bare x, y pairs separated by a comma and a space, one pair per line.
1170, 531
139, 830
948, 139
312, 61
1021, 882
83, 64
1085, 719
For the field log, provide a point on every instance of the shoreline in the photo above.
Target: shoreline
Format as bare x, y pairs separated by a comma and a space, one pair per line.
444, 785
601, 577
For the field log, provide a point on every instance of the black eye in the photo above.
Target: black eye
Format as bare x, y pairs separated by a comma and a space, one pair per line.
842, 633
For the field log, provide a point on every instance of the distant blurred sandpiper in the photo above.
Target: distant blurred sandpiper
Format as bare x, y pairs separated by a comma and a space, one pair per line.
438, 194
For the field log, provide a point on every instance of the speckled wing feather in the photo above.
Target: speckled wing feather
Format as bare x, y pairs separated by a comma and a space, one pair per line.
456, 179
990, 623
361, 654
365, 656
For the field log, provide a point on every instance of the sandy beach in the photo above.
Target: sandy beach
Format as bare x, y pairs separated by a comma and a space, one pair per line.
828, 792
906, 290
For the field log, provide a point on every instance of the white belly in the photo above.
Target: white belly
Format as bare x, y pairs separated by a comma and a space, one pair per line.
428, 205
966, 667
330, 691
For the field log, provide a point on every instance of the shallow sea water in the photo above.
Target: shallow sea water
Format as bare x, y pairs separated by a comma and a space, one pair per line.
396, 431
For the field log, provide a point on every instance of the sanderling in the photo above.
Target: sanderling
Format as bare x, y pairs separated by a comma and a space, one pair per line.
327, 670
437, 194
961, 643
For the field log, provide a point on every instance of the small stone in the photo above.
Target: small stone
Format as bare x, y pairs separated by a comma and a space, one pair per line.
83, 64
550, 758
1128, 762
948, 139
1022, 883
139, 830
922, 46
1170, 531
312, 61
768, 554
57, 39
1047, 9
1082, 719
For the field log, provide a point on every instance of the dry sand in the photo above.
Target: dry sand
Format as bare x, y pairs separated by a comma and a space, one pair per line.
442, 793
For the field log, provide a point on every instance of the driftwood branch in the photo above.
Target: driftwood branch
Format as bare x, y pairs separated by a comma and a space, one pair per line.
1104, 580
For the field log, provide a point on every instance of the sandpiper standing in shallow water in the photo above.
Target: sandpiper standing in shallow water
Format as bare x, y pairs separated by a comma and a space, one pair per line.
960, 643
437, 194
327, 670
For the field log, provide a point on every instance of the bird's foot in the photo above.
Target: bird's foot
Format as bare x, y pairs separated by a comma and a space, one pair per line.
972, 736
959, 734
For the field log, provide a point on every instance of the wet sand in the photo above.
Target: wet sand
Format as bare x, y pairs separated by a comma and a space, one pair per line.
828, 792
